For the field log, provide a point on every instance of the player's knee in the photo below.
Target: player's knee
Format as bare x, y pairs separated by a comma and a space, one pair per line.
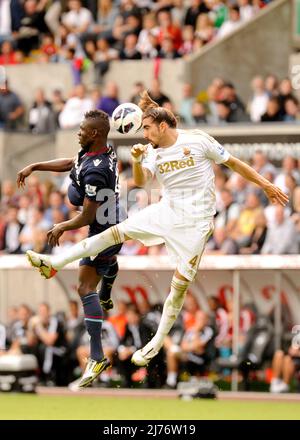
84, 288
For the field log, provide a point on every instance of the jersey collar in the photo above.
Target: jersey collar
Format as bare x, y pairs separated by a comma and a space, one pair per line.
95, 153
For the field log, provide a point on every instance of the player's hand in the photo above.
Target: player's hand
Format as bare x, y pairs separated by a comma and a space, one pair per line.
54, 235
275, 195
137, 151
25, 172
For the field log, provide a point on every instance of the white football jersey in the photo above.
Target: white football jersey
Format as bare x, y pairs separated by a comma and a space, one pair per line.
185, 172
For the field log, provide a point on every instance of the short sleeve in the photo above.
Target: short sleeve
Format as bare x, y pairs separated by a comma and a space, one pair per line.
93, 183
149, 160
215, 151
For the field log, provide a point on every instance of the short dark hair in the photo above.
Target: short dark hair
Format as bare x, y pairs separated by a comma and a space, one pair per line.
101, 118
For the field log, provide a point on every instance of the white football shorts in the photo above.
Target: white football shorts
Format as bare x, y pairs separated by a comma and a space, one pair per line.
185, 240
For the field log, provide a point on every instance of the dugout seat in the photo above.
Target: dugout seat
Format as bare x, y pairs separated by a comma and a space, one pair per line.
254, 352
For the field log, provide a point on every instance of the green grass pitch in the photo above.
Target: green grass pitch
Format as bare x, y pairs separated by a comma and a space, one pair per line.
40, 407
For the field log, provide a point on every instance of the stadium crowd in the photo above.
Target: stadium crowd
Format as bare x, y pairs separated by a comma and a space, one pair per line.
244, 223
84, 32
272, 100
88, 33
197, 344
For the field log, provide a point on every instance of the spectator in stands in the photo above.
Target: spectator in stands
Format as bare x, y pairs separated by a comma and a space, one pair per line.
46, 334
245, 225
204, 28
138, 88
168, 29
257, 237
283, 369
213, 92
11, 109
103, 56
196, 350
196, 8
197, 345
58, 104
228, 93
56, 201
107, 13
75, 108
9, 196
167, 50
5, 20
198, 113
156, 94
262, 165
289, 166
136, 335
291, 110
272, 113
119, 319
147, 37
41, 117
227, 217
187, 46
78, 19
247, 11
186, 104
110, 99
12, 229
19, 337
259, 100
32, 26
218, 12
285, 92
284, 228
224, 113
232, 24
34, 233
129, 51
271, 85
8, 55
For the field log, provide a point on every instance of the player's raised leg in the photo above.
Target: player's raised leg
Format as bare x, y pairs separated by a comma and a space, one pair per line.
48, 265
171, 310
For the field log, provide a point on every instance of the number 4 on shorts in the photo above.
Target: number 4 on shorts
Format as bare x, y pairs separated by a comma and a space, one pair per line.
193, 261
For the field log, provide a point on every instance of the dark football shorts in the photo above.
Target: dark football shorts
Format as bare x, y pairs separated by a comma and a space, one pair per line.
103, 260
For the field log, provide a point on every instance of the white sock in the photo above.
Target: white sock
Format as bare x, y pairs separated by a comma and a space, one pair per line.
171, 310
171, 378
88, 247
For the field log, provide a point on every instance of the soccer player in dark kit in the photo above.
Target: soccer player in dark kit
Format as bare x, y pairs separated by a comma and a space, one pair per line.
95, 187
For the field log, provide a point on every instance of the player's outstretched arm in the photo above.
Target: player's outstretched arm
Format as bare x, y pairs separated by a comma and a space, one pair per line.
274, 194
84, 218
58, 165
140, 174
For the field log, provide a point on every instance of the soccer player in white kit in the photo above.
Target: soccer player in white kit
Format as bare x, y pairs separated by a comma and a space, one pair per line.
183, 218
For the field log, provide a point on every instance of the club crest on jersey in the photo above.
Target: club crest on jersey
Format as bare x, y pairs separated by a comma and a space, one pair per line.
97, 162
173, 165
186, 151
90, 190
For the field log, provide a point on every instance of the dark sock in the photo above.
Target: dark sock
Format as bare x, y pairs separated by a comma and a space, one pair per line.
108, 281
93, 317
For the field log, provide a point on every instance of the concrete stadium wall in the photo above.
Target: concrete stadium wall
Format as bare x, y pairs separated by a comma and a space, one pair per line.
20, 149
26, 78
127, 73
261, 46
